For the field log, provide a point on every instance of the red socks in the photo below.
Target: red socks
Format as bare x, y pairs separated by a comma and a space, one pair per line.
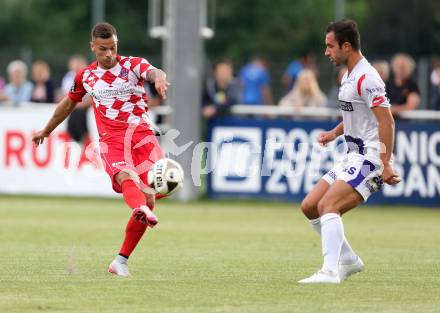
133, 233
135, 198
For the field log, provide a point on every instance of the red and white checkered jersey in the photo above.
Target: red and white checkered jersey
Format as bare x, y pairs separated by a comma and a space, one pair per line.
118, 94
360, 92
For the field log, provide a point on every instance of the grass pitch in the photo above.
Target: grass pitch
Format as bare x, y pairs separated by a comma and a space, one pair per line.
210, 257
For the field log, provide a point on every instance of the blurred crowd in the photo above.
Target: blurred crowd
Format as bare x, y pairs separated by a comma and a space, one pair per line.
252, 85
225, 87
23, 89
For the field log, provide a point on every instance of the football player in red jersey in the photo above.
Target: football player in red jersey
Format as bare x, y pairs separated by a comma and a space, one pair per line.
128, 146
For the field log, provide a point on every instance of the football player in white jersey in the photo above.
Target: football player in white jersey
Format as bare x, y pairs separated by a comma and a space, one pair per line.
368, 127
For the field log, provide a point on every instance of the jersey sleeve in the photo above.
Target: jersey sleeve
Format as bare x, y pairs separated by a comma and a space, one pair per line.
371, 89
77, 90
141, 67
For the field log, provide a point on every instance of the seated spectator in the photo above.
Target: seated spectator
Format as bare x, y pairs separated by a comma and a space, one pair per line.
19, 89
383, 68
402, 90
305, 93
43, 89
435, 89
255, 81
221, 92
333, 94
306, 60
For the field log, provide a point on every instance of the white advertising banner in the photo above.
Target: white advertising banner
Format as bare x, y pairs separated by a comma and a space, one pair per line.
57, 167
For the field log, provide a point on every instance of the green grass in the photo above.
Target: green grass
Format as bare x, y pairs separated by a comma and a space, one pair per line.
210, 257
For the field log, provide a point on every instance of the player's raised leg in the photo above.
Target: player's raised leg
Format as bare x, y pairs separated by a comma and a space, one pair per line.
340, 198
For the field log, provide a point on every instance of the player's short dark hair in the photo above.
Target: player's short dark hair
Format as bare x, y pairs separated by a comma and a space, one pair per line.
103, 30
346, 31
224, 61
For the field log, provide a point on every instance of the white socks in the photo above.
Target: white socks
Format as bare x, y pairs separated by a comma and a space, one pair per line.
332, 237
348, 256
316, 225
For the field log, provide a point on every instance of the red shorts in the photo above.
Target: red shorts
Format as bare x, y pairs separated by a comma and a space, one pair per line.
133, 151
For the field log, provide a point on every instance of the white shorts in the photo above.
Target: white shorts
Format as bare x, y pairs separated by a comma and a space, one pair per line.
362, 172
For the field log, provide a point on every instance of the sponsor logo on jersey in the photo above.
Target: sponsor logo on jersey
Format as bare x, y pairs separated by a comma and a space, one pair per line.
118, 164
346, 106
124, 73
375, 90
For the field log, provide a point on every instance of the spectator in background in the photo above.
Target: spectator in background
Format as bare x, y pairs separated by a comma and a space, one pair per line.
43, 89
435, 89
402, 89
2, 83
333, 94
383, 68
19, 89
255, 81
306, 60
77, 120
221, 92
75, 63
305, 92
435, 80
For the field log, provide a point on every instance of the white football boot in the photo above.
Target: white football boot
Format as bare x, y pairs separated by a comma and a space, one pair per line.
346, 270
321, 277
118, 268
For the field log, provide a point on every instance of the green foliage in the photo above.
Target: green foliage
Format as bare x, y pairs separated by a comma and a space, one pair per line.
55, 29
410, 26
280, 29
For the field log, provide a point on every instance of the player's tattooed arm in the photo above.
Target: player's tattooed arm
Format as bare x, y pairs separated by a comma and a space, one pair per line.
62, 111
159, 79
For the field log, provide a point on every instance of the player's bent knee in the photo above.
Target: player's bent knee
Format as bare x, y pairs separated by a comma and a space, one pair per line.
309, 209
326, 206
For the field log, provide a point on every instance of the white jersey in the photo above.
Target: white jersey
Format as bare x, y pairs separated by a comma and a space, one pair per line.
361, 91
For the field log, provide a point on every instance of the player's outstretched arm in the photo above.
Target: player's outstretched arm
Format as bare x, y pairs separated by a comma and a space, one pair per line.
385, 124
326, 137
159, 79
64, 108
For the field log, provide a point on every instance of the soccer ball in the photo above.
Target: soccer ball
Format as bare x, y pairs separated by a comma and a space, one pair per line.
165, 176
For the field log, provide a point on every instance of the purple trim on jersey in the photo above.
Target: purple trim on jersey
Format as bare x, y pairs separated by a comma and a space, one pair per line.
355, 144
366, 168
